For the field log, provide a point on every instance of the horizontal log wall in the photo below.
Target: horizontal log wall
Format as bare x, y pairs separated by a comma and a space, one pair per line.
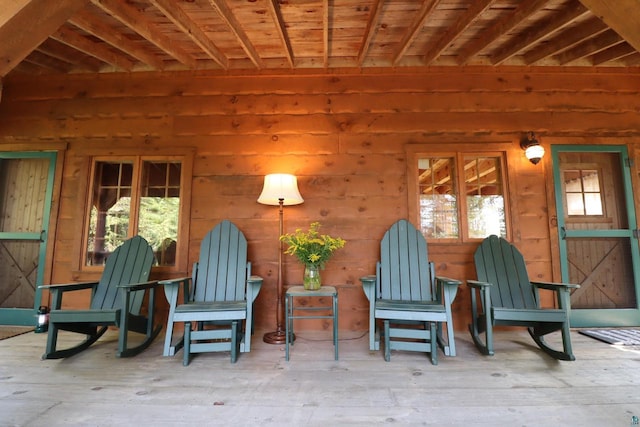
345, 135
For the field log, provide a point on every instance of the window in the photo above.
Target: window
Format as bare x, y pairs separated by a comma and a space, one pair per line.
459, 196
134, 196
582, 190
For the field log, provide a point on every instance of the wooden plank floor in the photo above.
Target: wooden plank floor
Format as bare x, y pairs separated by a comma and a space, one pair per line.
519, 386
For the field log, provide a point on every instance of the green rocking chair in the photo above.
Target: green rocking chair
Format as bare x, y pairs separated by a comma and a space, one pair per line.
509, 298
116, 301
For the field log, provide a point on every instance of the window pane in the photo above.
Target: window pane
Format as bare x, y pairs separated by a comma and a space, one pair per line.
437, 198
485, 197
159, 208
110, 209
593, 204
591, 181
575, 204
486, 216
582, 192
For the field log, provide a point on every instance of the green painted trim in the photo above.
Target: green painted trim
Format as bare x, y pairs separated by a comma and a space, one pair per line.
599, 317
27, 316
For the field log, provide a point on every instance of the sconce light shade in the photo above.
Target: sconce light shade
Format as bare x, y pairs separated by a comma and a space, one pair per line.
280, 186
533, 151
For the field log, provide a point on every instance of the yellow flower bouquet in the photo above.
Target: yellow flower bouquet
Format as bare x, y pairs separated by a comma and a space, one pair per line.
311, 247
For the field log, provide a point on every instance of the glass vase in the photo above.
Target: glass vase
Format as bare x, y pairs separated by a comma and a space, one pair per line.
311, 278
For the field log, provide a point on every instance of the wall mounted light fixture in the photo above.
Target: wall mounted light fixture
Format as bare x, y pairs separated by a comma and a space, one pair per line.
532, 148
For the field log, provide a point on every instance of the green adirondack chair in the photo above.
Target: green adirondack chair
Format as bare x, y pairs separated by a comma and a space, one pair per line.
218, 298
411, 302
123, 283
508, 297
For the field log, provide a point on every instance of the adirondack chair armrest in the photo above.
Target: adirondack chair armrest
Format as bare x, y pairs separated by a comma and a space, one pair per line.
139, 286
369, 286
69, 286
554, 286
448, 281
478, 284
171, 287
254, 283
58, 290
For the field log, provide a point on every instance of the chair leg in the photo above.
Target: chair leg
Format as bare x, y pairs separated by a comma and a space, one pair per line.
387, 341
187, 344
168, 350
434, 343
234, 341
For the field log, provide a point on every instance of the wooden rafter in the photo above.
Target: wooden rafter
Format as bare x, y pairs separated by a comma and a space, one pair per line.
325, 32
26, 24
172, 11
46, 61
616, 52
274, 9
374, 15
92, 25
95, 49
139, 22
233, 24
590, 47
416, 26
498, 29
538, 33
621, 15
564, 41
63, 52
461, 24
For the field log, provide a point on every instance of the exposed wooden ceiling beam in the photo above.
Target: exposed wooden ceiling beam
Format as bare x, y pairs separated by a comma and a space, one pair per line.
614, 53
172, 11
325, 32
138, 22
374, 15
91, 24
623, 16
461, 24
414, 29
235, 26
274, 9
9, 8
40, 17
565, 40
43, 60
68, 54
590, 47
544, 29
95, 49
500, 28
633, 60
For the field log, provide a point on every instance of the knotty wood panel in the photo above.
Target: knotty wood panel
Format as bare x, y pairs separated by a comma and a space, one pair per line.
344, 135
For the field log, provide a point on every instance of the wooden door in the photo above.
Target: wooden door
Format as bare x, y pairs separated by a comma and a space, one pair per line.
598, 243
26, 181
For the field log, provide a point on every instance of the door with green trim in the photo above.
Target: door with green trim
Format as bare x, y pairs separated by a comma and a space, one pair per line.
597, 236
26, 185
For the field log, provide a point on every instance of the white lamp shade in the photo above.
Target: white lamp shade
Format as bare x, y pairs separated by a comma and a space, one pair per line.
280, 186
534, 152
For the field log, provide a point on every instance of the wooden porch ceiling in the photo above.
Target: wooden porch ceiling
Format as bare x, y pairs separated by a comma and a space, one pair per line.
90, 36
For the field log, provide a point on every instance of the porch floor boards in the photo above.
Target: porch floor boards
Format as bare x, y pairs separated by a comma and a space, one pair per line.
519, 386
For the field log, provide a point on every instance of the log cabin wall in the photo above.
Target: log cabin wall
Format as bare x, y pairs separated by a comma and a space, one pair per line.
345, 135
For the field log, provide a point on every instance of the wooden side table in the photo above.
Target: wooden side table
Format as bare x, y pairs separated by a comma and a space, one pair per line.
290, 309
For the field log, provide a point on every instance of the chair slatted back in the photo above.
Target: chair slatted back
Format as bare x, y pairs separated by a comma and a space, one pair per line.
404, 271
130, 263
221, 272
500, 263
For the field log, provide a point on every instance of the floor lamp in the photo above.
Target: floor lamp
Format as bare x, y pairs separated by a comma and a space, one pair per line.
279, 190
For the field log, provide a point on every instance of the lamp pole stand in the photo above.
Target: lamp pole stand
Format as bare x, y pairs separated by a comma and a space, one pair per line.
279, 335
